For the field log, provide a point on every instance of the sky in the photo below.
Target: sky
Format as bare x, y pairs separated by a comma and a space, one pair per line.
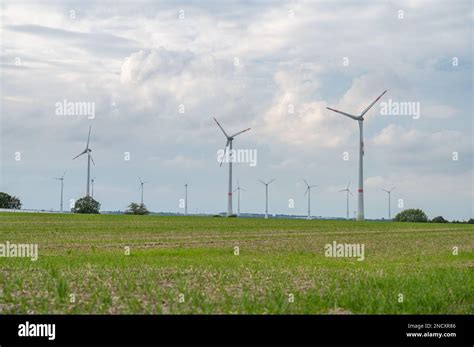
155, 73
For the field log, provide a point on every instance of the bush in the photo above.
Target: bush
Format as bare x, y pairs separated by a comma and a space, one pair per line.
470, 221
86, 205
439, 219
139, 209
411, 215
8, 201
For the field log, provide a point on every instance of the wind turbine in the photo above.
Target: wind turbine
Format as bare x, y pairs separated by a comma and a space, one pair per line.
186, 199
229, 144
308, 191
141, 187
389, 192
238, 189
266, 196
89, 158
360, 190
348, 191
62, 186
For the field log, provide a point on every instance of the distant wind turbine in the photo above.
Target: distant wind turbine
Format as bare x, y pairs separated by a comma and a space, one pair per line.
360, 190
266, 196
238, 189
89, 159
229, 144
62, 186
141, 187
308, 192
348, 191
389, 192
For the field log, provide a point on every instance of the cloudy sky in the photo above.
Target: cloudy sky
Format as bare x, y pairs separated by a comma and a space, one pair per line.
158, 71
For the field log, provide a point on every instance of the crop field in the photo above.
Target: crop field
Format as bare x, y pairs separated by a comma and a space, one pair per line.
123, 264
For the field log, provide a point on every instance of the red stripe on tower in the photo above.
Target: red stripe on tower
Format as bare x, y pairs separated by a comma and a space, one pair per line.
360, 190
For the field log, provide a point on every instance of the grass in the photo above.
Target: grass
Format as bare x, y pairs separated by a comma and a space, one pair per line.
187, 265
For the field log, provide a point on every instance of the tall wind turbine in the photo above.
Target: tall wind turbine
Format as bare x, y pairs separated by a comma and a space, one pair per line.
360, 190
141, 187
89, 158
238, 189
62, 186
266, 196
186, 199
389, 192
348, 191
308, 192
229, 144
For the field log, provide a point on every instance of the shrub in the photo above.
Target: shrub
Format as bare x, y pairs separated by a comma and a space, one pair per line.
411, 215
8, 201
138, 209
86, 205
439, 219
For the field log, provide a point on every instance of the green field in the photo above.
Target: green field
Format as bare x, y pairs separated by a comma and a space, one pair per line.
188, 265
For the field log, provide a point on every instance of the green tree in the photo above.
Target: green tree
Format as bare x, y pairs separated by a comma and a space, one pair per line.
8, 201
86, 205
139, 209
439, 219
411, 215
470, 221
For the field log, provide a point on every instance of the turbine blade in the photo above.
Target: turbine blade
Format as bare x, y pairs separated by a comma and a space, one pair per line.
306, 183
92, 160
242, 189
314, 186
350, 193
271, 181
140, 179
393, 188
342, 190
372, 104
262, 182
89, 136
221, 128
306, 191
343, 113
225, 151
83, 152
240, 132
64, 174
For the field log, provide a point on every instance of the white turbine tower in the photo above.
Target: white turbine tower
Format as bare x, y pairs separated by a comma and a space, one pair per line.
186, 199
141, 187
238, 189
348, 191
360, 190
389, 192
89, 159
308, 191
229, 144
266, 196
92, 187
62, 186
